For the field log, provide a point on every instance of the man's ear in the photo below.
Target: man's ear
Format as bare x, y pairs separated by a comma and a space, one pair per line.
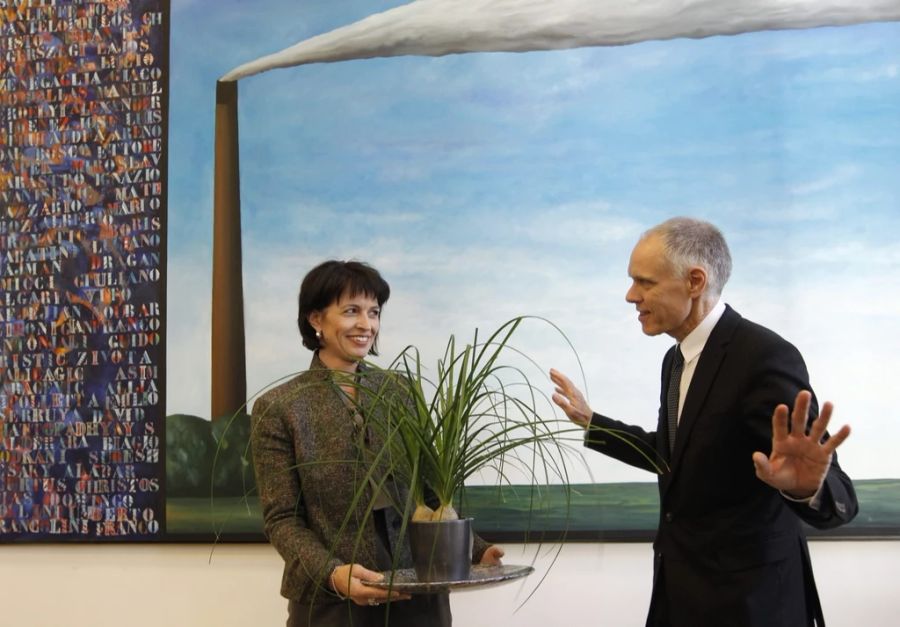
698, 280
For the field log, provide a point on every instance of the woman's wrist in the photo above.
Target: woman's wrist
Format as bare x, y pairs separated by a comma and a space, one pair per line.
334, 587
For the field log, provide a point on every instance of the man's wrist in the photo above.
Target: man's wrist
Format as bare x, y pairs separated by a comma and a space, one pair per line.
813, 500
806, 496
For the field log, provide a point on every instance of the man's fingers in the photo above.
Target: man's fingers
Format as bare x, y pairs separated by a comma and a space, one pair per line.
761, 462
570, 397
821, 423
779, 423
566, 405
563, 383
837, 438
800, 415
577, 412
562, 401
567, 396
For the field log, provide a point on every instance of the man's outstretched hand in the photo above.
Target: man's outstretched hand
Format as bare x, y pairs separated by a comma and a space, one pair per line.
799, 462
570, 399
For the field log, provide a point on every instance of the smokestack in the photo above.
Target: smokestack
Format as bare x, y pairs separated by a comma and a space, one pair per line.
229, 366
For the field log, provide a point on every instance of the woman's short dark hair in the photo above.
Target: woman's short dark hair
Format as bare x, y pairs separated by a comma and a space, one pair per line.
326, 283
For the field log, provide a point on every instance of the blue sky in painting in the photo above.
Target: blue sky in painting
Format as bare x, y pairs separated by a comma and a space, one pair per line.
490, 185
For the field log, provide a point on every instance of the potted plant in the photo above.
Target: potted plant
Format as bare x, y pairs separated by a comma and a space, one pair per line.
476, 413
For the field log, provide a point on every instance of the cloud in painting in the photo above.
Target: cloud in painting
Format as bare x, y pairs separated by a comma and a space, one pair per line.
837, 177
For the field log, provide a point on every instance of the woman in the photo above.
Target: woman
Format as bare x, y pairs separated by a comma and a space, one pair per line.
312, 441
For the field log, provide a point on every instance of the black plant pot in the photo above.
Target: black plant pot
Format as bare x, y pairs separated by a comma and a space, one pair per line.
441, 550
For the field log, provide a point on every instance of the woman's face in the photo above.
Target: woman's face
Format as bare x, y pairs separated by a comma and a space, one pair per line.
347, 330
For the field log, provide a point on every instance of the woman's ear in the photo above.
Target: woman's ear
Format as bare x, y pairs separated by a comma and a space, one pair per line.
315, 320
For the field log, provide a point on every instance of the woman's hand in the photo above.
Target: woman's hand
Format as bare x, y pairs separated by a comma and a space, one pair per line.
346, 581
491, 556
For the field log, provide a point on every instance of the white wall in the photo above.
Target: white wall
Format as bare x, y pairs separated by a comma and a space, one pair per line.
236, 586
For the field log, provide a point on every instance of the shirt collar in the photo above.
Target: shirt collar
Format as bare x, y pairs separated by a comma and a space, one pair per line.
693, 344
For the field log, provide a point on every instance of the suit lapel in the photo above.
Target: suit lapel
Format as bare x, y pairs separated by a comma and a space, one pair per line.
708, 365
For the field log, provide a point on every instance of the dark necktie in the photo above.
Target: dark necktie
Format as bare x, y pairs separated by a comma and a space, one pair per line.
672, 396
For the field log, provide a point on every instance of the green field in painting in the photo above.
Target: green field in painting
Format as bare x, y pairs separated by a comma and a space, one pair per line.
587, 508
879, 505
211, 517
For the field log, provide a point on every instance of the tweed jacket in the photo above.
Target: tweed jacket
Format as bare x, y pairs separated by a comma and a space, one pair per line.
310, 466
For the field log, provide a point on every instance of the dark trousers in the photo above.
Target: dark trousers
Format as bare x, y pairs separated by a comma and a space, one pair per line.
767, 595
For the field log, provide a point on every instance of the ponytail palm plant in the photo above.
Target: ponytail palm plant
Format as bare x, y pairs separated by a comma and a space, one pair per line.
476, 413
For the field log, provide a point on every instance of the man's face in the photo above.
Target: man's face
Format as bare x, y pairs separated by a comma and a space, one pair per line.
663, 300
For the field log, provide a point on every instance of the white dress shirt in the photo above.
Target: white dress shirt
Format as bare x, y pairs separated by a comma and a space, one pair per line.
692, 346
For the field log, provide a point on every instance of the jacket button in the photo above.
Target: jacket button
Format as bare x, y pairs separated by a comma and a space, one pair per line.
669, 517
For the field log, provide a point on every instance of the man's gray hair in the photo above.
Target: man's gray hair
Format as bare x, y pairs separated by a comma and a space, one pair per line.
691, 242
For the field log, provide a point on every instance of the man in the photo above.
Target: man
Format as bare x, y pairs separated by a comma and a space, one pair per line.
737, 479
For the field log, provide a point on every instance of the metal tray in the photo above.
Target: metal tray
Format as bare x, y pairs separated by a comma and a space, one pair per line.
405, 580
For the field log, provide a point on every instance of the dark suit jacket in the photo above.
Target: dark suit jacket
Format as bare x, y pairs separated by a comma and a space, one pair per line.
729, 550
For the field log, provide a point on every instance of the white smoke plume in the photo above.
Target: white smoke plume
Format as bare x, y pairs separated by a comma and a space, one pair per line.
439, 27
